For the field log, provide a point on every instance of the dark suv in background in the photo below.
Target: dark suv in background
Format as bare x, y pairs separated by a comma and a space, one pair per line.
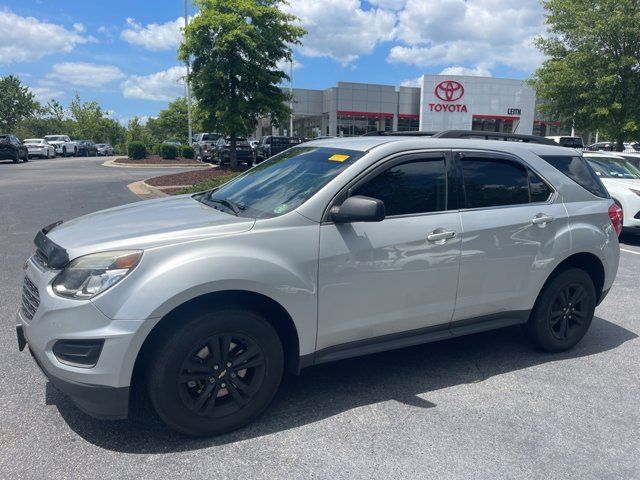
12, 149
86, 148
270, 145
222, 155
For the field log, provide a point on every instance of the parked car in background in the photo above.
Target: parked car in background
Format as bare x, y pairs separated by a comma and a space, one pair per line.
342, 248
11, 148
86, 148
63, 145
39, 147
271, 145
622, 180
104, 149
567, 141
604, 146
632, 158
222, 155
203, 145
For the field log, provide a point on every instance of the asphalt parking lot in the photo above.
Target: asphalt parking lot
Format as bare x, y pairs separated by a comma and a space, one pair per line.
483, 406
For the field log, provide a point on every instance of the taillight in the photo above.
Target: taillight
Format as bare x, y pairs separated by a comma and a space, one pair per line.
206, 147
616, 215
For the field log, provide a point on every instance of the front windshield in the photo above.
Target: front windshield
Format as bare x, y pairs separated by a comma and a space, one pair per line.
611, 167
282, 183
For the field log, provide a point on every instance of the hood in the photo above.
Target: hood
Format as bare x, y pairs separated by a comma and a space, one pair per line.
146, 224
622, 182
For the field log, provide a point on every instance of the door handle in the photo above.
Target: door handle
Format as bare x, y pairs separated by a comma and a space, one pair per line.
440, 235
541, 219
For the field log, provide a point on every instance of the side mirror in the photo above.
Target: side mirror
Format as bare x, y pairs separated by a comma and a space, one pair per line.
358, 209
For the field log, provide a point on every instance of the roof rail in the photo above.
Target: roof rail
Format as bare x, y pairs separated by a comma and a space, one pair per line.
473, 134
400, 134
481, 135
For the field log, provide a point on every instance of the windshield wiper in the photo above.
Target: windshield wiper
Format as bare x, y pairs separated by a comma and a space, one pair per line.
236, 208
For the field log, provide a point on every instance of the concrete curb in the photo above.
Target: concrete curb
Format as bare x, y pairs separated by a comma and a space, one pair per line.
146, 191
112, 163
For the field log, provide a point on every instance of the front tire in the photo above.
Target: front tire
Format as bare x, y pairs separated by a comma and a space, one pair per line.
26, 157
218, 372
563, 312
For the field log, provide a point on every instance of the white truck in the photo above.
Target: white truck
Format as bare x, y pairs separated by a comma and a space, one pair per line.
63, 145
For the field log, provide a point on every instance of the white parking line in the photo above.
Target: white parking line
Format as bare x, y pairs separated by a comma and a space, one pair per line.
629, 251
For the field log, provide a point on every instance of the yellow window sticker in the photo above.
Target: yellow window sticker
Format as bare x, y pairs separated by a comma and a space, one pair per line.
338, 158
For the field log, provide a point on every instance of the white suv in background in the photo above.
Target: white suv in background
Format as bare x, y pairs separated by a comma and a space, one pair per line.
63, 145
622, 180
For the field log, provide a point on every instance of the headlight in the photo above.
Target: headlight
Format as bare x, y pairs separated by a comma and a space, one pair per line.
637, 192
92, 274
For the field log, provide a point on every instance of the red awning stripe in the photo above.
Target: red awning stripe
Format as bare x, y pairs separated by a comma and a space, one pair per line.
409, 116
364, 114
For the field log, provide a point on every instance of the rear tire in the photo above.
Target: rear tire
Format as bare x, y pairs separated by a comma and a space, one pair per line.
217, 373
26, 157
563, 312
17, 159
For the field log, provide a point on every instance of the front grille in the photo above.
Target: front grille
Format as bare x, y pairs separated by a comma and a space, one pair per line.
30, 298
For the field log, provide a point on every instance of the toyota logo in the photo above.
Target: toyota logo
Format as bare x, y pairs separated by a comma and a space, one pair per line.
449, 91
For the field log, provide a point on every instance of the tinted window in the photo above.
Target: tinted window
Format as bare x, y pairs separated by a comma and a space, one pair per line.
540, 191
489, 182
413, 187
576, 168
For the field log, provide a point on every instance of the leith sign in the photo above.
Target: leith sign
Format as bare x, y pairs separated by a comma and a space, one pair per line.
448, 91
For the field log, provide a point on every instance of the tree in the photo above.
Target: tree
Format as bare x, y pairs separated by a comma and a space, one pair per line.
16, 103
172, 122
235, 47
592, 73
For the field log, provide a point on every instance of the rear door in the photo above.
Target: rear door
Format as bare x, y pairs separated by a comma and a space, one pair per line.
511, 221
397, 275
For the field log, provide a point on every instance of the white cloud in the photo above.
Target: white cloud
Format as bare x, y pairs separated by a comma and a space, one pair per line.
44, 94
162, 86
479, 71
84, 74
389, 4
412, 82
342, 29
29, 39
154, 36
487, 32
80, 28
285, 66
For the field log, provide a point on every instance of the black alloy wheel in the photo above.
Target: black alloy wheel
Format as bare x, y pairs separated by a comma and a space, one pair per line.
568, 312
215, 373
221, 375
563, 311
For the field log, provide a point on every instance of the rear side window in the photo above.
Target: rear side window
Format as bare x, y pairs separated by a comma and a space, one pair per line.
418, 186
576, 168
492, 182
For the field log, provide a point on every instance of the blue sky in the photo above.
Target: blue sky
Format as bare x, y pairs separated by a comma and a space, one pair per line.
123, 53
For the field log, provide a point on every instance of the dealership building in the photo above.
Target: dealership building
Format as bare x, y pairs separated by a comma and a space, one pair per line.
440, 102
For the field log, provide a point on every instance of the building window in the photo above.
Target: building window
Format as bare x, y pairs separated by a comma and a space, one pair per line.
408, 124
355, 125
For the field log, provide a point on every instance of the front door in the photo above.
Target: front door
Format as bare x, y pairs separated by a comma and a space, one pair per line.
397, 275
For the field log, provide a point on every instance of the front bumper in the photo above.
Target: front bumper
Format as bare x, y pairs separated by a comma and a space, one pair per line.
101, 390
99, 401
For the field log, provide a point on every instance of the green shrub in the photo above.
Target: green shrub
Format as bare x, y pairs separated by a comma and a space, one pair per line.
210, 183
168, 151
187, 152
136, 150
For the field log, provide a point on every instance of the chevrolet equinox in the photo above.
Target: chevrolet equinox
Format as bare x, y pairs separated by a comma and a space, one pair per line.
331, 249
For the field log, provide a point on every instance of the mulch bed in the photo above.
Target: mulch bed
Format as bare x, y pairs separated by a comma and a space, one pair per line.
187, 178
157, 160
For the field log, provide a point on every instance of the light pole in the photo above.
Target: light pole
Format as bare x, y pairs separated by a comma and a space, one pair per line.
291, 97
186, 83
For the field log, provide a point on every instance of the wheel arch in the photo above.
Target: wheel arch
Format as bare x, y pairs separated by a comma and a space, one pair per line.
588, 262
277, 316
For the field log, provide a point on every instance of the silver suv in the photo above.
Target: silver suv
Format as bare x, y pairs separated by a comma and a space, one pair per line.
331, 249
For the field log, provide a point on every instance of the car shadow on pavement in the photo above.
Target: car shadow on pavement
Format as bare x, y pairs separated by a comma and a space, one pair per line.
408, 376
630, 237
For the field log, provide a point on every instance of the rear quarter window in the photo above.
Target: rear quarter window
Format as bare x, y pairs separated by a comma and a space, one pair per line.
577, 169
